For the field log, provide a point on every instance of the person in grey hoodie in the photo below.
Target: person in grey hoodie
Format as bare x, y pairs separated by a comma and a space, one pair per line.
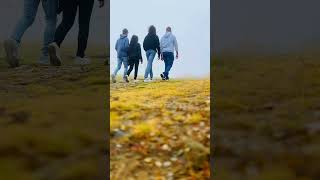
121, 47
168, 44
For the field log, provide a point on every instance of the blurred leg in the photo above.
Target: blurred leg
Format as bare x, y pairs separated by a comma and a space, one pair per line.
69, 11
50, 9
29, 14
85, 11
118, 67
136, 68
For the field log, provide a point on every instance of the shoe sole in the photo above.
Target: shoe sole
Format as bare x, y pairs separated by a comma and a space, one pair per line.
10, 58
54, 59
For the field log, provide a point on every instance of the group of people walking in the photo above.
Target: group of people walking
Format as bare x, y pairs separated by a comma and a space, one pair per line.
53, 36
130, 56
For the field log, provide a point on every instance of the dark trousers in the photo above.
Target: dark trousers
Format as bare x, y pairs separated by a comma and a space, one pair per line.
133, 63
168, 59
69, 9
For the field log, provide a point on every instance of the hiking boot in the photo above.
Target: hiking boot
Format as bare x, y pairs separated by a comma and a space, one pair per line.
82, 61
54, 54
11, 48
126, 79
113, 78
162, 76
44, 60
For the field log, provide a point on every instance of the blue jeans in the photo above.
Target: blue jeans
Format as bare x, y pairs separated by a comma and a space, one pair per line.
29, 14
150, 56
124, 61
168, 59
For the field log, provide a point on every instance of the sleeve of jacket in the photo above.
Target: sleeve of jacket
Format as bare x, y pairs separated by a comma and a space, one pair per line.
161, 45
139, 52
175, 44
126, 45
144, 43
116, 46
158, 46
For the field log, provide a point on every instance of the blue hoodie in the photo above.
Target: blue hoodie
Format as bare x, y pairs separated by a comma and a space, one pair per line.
122, 46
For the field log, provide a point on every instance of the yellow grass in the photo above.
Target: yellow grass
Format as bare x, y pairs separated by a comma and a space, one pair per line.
161, 130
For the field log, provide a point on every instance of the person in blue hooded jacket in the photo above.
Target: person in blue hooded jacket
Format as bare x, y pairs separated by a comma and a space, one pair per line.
122, 47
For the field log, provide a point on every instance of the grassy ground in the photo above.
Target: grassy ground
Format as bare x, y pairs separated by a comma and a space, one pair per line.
160, 130
266, 117
51, 119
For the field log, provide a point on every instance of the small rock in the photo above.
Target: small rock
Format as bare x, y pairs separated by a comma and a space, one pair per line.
202, 124
158, 164
147, 160
173, 159
196, 129
170, 174
165, 147
189, 133
167, 164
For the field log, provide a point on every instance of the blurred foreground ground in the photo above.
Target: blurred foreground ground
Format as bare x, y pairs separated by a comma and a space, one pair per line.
160, 130
266, 117
52, 119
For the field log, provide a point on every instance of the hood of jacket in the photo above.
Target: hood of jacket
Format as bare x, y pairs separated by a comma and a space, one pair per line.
167, 35
122, 36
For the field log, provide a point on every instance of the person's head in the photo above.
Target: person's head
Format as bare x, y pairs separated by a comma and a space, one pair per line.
168, 29
152, 30
125, 31
134, 39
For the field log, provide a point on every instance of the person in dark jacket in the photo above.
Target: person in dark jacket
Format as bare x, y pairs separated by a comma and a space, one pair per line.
151, 45
69, 10
135, 57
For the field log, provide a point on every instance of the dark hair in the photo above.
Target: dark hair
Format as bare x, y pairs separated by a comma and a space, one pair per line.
125, 31
152, 30
133, 42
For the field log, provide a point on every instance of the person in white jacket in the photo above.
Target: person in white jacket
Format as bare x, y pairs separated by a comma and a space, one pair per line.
168, 45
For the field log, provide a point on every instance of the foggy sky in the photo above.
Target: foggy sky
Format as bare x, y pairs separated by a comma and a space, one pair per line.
190, 22
265, 25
